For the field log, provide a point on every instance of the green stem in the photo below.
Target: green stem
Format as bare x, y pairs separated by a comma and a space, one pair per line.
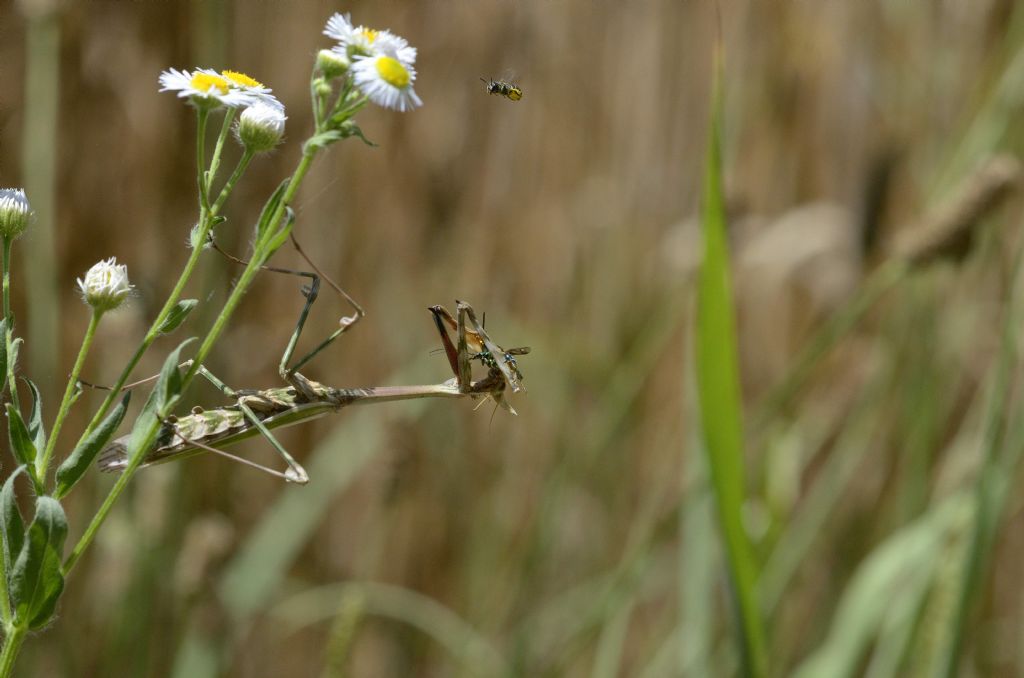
7, 277
12, 385
108, 503
138, 454
240, 168
152, 334
12, 645
317, 101
205, 223
65, 404
203, 115
215, 160
343, 95
258, 257
5, 597
5, 601
350, 109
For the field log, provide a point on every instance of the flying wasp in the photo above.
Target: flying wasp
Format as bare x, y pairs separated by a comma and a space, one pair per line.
505, 89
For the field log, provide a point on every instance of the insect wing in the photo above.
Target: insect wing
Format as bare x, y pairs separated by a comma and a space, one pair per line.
511, 374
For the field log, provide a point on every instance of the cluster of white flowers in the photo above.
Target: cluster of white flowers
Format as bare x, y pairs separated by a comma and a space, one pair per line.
381, 62
261, 124
381, 65
209, 88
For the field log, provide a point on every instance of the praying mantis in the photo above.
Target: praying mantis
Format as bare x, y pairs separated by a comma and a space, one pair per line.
258, 412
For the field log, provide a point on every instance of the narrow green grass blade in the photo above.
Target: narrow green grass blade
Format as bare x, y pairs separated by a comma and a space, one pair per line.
990, 486
719, 397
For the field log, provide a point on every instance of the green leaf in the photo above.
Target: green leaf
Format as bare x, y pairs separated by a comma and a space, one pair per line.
158, 405
12, 527
720, 401
351, 129
22, 445
140, 430
81, 457
322, 140
282, 234
177, 315
3, 349
12, 358
168, 386
37, 581
269, 210
35, 420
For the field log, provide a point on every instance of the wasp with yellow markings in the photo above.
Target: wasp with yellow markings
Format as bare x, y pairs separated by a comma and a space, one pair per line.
505, 89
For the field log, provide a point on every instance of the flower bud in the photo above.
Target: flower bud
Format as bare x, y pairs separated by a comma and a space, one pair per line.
105, 286
332, 64
15, 212
260, 127
323, 87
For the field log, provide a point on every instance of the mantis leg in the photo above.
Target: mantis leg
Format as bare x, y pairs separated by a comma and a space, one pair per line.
344, 323
127, 387
290, 374
295, 472
458, 356
465, 370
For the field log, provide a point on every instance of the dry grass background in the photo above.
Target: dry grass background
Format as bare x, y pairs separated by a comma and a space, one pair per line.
563, 537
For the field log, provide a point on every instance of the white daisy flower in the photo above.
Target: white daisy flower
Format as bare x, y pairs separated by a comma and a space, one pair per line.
387, 82
354, 39
339, 27
363, 41
15, 212
105, 286
257, 89
204, 87
260, 127
396, 46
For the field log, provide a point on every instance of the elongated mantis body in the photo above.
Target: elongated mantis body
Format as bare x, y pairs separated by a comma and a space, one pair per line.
258, 412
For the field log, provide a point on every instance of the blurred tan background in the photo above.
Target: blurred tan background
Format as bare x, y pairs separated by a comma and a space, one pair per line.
557, 536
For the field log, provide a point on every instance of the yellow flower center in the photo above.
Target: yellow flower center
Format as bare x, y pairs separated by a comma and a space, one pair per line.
241, 79
369, 34
204, 82
393, 72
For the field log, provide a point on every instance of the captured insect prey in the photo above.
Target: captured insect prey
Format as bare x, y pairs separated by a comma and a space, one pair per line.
506, 89
491, 355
